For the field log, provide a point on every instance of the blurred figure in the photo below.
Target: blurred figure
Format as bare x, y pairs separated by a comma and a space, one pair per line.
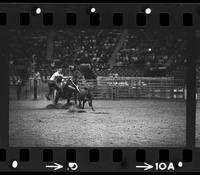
18, 85
54, 82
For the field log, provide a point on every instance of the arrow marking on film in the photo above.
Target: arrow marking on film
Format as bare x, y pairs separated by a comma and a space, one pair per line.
145, 167
56, 166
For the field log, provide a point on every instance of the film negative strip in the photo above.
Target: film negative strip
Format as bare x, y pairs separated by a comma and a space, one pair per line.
100, 87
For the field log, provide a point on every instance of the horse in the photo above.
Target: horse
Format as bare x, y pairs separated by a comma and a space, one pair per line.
83, 95
66, 91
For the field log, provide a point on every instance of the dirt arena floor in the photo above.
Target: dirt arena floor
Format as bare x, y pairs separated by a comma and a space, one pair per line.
118, 123
198, 124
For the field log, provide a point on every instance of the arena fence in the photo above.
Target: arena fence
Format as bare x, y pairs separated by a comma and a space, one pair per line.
112, 88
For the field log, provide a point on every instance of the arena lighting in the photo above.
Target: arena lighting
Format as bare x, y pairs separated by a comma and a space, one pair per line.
147, 11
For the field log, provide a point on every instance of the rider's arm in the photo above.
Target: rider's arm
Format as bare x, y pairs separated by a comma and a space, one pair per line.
61, 75
65, 77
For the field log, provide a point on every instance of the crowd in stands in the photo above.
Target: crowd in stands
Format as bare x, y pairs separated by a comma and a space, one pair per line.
93, 47
150, 47
27, 49
25, 45
139, 51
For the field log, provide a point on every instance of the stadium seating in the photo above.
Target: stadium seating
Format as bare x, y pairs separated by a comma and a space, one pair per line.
139, 51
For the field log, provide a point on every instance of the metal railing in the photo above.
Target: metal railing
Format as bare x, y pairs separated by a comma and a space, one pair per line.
115, 88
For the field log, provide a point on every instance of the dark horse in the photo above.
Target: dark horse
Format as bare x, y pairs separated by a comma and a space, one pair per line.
66, 92
83, 95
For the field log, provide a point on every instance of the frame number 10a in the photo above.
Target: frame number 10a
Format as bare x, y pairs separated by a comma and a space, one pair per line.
159, 166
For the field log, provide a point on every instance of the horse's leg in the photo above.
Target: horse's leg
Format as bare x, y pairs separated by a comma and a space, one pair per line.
91, 105
75, 97
84, 103
79, 104
69, 98
57, 97
68, 101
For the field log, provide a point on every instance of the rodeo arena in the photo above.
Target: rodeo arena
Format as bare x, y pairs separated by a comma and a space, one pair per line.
116, 88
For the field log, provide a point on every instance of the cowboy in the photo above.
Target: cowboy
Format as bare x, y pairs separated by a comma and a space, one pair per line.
55, 82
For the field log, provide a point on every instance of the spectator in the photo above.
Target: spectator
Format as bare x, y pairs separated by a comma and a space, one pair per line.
18, 85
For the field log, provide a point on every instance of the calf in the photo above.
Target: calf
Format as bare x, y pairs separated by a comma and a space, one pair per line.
83, 96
